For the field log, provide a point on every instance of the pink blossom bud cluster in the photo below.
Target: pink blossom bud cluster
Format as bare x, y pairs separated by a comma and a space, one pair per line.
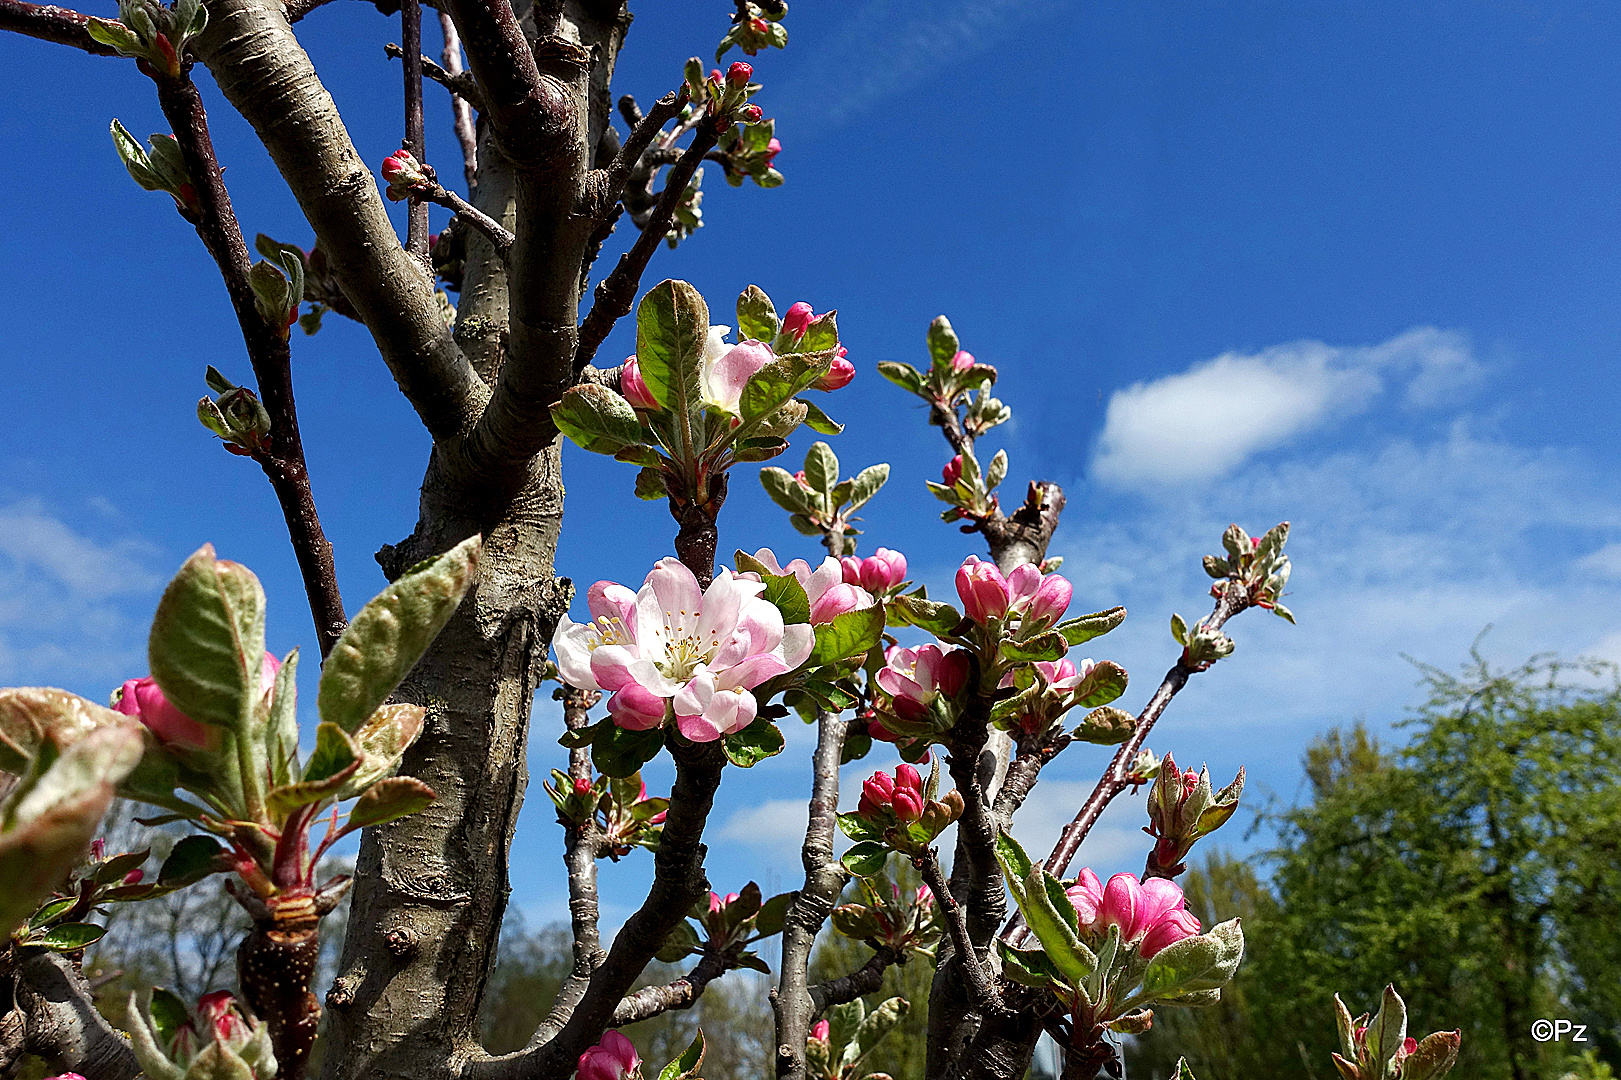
923, 684
798, 319
895, 803
404, 175
826, 587
1037, 600
881, 573
1063, 677
725, 96
1151, 914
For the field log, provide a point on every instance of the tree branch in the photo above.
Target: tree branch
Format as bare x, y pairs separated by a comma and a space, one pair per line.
614, 296
611, 181
499, 238
864, 980
981, 990
824, 878
460, 99
268, 351
650, 1001
51, 23
60, 1022
416, 229
1113, 781
458, 82
266, 75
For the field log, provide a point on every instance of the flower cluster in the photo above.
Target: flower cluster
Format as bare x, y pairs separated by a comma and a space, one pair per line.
898, 812
236, 416
722, 96
1152, 914
1183, 807
952, 375
1255, 566
922, 687
152, 32
1037, 600
1380, 1048
830, 595
620, 808
905, 920
404, 175
219, 1039
728, 925
756, 26
797, 320
669, 651
881, 573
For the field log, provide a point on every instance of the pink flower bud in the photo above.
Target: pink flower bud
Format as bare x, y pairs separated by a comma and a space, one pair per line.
752, 113
1171, 928
1087, 897
850, 568
142, 699
633, 388
636, 708
1122, 901
952, 472
821, 1030
772, 149
838, 374
925, 898
133, 877
401, 168
739, 74
581, 785
614, 1058
1050, 602
714, 76
908, 806
907, 778
797, 319
983, 589
877, 573
836, 601
962, 361
801, 480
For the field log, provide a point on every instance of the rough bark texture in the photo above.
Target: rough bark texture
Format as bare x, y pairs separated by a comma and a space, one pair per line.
55, 1019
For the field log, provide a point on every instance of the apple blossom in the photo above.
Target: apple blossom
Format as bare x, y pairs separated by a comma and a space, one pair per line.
739, 74
614, 1058
828, 593
877, 573
772, 149
1171, 928
700, 652
797, 319
952, 471
983, 589
821, 1030
728, 368
403, 172
839, 373
1152, 912
962, 361
915, 678
633, 388
144, 700
1040, 601
900, 796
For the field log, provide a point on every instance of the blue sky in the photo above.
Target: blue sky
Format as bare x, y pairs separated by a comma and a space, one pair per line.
1351, 264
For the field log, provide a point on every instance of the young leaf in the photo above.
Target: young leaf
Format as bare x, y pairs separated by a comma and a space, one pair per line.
756, 318
753, 744
847, 635
943, 344
785, 491
68, 937
1105, 682
687, 1064
1087, 627
821, 467
208, 640
865, 859
598, 420
388, 799
817, 420
389, 635
672, 324
621, 752
902, 375
866, 485
191, 860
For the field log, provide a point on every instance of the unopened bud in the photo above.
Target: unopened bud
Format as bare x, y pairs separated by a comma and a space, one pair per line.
753, 113
739, 74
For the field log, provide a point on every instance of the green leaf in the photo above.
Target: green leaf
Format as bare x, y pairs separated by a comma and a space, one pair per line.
1087, 627
191, 860
650, 484
996, 471
687, 1064
866, 485
865, 859
1179, 629
756, 318
931, 615
1028, 967
905, 376
681, 942
115, 868
788, 596
943, 344
873, 1027
598, 420
777, 382
620, 752
772, 914
1108, 727
389, 635
114, 35
786, 492
1105, 682
672, 324
51, 911
208, 640
753, 744
849, 634
1047, 910
858, 828
817, 420
1387, 1030
168, 1013
1203, 962
1048, 646
67, 937
830, 695
1182, 1070
821, 467
761, 449
389, 799
335, 754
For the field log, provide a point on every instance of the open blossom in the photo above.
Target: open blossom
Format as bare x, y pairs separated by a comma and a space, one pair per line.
826, 588
142, 699
726, 369
915, 677
877, 573
633, 388
668, 643
1152, 912
614, 1058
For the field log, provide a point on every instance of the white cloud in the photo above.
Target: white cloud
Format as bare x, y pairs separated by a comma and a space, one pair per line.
1206, 421
1605, 562
62, 595
773, 823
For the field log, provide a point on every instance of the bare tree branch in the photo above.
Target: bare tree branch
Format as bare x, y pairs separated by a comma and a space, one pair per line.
864, 980
461, 110
981, 989
266, 75
824, 878
416, 231
51, 23
650, 1001
268, 351
60, 1022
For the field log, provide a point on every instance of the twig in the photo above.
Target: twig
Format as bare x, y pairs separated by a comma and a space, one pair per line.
613, 297
580, 857
416, 228
268, 352
499, 238
650, 1001
60, 1022
458, 82
51, 23
860, 982
642, 133
980, 987
793, 1002
1113, 781
460, 98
